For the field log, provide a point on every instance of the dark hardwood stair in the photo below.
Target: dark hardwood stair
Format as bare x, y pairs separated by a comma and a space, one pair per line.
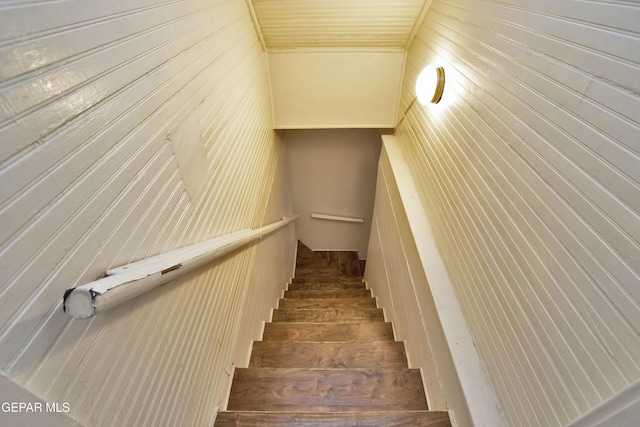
326, 390
315, 303
331, 332
345, 282
342, 315
349, 355
328, 358
325, 286
334, 419
329, 293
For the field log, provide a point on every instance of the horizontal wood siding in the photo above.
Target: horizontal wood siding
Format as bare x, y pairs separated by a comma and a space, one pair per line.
91, 95
529, 173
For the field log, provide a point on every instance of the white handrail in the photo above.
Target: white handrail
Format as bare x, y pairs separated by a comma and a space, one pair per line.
131, 280
337, 218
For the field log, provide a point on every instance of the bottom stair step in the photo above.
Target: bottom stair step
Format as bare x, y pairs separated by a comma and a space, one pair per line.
361, 419
326, 390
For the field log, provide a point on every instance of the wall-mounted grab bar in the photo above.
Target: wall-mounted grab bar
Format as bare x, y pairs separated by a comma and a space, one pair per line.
129, 281
337, 218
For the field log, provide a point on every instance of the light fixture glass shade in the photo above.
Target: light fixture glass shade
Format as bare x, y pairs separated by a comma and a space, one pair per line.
430, 85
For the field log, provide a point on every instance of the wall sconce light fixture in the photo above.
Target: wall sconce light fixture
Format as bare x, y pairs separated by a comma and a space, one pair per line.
430, 85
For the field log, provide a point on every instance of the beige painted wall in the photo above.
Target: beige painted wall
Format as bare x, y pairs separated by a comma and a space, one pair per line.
528, 173
333, 173
128, 129
349, 88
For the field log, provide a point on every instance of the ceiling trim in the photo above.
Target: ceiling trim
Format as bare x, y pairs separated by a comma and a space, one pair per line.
270, 83
399, 95
256, 24
416, 25
339, 126
336, 49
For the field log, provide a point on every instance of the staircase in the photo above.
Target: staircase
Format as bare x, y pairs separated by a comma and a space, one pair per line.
328, 359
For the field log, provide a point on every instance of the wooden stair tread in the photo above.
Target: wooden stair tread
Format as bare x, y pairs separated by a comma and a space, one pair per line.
359, 419
319, 271
328, 359
308, 303
347, 262
319, 286
327, 315
337, 293
375, 354
327, 279
328, 332
322, 390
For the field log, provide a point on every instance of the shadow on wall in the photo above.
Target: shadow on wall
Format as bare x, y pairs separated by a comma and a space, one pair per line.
334, 173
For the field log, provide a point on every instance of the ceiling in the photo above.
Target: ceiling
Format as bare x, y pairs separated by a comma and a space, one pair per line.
336, 63
287, 24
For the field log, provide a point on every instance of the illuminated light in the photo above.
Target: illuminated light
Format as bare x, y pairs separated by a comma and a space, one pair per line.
430, 85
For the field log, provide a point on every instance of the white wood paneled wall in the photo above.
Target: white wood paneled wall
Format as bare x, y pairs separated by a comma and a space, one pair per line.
92, 98
529, 173
273, 264
407, 275
394, 276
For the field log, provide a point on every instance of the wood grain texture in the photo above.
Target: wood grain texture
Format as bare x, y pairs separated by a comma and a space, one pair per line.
373, 354
328, 360
346, 262
337, 293
327, 280
322, 303
354, 419
309, 303
319, 286
323, 390
318, 272
340, 332
339, 315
